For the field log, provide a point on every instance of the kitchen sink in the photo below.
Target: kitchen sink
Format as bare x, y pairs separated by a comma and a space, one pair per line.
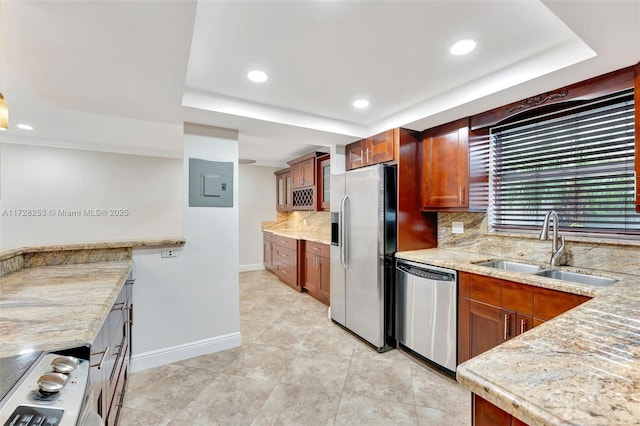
507, 265
576, 277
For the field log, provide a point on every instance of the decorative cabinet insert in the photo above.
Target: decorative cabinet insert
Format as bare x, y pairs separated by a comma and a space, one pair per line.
445, 167
111, 356
324, 182
492, 311
376, 149
317, 271
283, 190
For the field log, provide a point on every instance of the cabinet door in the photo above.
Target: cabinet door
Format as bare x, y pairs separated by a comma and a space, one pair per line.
280, 201
287, 192
523, 323
549, 303
354, 155
296, 176
324, 186
485, 327
464, 332
324, 283
268, 254
380, 148
445, 170
308, 172
311, 274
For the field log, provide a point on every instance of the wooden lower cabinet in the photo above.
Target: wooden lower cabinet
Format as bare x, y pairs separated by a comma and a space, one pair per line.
317, 271
267, 249
487, 414
282, 257
492, 311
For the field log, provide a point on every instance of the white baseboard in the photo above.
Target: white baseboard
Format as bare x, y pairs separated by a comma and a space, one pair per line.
165, 356
251, 267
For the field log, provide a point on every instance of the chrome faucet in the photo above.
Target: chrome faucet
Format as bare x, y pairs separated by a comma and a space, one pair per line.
556, 251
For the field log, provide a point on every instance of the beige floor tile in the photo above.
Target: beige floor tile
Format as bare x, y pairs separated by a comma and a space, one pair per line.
434, 390
326, 372
216, 362
131, 417
331, 340
380, 379
229, 400
285, 336
261, 362
434, 417
166, 389
358, 410
299, 405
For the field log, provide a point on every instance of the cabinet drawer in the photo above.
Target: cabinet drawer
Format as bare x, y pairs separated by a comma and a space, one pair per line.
287, 273
286, 242
317, 248
485, 289
286, 256
268, 236
517, 297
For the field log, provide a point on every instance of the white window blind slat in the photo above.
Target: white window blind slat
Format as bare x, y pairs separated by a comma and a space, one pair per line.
578, 161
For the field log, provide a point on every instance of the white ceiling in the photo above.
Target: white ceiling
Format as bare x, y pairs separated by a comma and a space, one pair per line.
173, 61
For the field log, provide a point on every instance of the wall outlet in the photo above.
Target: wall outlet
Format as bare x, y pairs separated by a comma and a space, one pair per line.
457, 227
168, 253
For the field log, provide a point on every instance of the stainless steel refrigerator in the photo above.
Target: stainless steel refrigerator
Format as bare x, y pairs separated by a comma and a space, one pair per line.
363, 242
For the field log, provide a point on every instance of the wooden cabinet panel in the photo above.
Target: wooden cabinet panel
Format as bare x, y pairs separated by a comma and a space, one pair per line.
354, 154
464, 284
445, 167
303, 173
324, 288
549, 303
485, 326
317, 271
287, 274
517, 297
487, 414
485, 289
281, 257
380, 148
324, 183
524, 323
464, 335
286, 242
286, 256
283, 190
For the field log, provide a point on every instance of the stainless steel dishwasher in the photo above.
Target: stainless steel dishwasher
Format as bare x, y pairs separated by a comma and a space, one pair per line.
426, 314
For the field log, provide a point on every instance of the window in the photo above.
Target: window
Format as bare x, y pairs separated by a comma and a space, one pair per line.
578, 162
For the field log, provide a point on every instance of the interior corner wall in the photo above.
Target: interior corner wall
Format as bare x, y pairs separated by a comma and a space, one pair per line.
257, 192
189, 305
59, 195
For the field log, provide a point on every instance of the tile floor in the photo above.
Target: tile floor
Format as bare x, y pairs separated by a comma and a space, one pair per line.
295, 367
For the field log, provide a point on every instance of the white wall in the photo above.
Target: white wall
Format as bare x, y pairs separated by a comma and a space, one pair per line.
50, 180
257, 192
189, 305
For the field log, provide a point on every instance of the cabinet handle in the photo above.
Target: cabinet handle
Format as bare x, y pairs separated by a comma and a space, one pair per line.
130, 282
506, 326
283, 271
523, 325
316, 248
118, 306
361, 157
461, 200
104, 353
367, 155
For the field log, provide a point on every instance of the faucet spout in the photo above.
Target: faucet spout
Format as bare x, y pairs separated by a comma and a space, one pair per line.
556, 251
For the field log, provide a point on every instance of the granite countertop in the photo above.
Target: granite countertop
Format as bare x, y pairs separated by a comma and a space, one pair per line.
56, 307
580, 368
301, 234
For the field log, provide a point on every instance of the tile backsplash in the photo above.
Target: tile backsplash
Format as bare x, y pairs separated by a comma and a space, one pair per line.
590, 253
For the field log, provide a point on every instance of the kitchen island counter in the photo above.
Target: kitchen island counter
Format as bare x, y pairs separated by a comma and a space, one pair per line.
47, 308
580, 368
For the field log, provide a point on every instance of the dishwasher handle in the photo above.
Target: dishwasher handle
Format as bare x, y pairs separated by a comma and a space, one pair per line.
426, 273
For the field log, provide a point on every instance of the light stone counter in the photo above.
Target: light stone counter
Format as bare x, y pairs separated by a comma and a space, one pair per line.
580, 368
57, 307
299, 234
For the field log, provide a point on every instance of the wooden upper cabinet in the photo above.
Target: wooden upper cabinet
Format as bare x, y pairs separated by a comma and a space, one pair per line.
324, 183
303, 173
283, 190
445, 167
379, 148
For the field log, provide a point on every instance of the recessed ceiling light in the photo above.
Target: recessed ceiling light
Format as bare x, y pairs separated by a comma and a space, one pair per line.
462, 47
361, 103
257, 76
23, 126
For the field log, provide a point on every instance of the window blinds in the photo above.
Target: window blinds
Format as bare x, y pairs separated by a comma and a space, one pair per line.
578, 162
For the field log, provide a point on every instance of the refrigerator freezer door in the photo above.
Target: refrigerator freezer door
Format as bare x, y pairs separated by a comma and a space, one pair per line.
337, 274
364, 233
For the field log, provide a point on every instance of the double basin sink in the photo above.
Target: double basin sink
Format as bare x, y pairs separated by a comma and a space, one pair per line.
525, 268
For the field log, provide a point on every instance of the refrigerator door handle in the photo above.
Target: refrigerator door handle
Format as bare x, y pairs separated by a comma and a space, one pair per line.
343, 232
